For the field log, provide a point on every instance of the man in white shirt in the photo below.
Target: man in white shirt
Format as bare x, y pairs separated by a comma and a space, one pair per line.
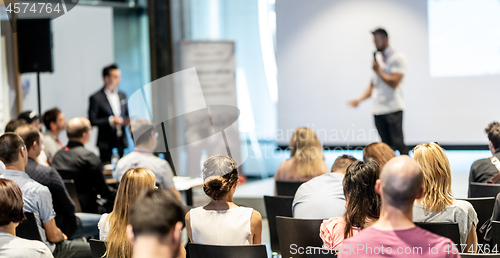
108, 111
145, 139
385, 89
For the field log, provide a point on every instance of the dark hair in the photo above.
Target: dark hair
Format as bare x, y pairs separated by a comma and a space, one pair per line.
493, 132
359, 188
11, 202
105, 70
219, 187
378, 151
342, 162
76, 131
30, 134
13, 124
155, 211
50, 116
9, 147
380, 31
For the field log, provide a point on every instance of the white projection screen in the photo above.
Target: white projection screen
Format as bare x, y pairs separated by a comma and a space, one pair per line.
451, 87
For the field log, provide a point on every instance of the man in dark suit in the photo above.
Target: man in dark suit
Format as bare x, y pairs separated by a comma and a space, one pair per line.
108, 111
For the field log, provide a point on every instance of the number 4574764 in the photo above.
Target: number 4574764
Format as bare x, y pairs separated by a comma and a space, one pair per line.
26, 8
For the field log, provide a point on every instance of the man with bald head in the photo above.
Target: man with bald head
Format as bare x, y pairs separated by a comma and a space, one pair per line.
395, 234
83, 166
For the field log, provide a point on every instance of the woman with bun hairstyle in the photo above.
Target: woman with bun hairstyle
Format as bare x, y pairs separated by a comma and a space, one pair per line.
221, 222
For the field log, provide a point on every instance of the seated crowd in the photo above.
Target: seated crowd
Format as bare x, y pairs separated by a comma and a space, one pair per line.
374, 202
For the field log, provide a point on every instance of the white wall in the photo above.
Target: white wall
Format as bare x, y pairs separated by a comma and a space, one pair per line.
324, 53
82, 46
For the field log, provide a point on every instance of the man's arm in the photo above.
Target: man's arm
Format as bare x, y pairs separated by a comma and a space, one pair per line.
367, 94
53, 233
393, 79
93, 111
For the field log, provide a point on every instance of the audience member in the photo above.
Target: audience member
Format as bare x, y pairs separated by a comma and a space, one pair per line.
13, 124
54, 121
31, 118
394, 234
142, 156
77, 163
66, 219
11, 214
495, 216
306, 158
323, 196
156, 220
112, 227
437, 203
109, 112
362, 204
485, 169
221, 222
378, 151
37, 199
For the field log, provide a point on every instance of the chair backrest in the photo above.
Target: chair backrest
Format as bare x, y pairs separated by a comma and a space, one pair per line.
297, 233
97, 247
28, 228
446, 229
86, 195
484, 209
277, 206
316, 252
70, 186
495, 233
483, 190
287, 188
225, 251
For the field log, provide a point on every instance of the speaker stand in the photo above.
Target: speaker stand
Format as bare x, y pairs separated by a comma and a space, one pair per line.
39, 95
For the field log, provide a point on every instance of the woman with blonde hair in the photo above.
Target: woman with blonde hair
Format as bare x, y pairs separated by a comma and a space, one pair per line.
437, 203
378, 151
306, 158
112, 226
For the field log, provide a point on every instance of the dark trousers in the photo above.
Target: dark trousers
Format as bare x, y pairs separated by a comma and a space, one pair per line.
390, 129
105, 153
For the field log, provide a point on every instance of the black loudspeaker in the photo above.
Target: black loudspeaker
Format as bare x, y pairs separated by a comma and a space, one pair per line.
34, 45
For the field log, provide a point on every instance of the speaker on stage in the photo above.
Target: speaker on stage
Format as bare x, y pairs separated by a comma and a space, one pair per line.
34, 45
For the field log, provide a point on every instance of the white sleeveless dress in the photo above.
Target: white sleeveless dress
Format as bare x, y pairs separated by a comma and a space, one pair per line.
223, 227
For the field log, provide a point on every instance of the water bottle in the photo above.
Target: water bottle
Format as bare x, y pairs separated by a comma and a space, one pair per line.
114, 157
203, 158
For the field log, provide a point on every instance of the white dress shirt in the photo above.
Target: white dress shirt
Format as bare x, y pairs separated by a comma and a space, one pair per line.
114, 102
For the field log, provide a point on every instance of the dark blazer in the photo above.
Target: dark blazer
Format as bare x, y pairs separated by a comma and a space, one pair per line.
99, 112
64, 207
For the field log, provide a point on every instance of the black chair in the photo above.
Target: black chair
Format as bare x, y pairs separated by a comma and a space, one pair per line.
287, 188
449, 230
28, 228
483, 190
484, 209
495, 234
296, 234
70, 186
316, 252
277, 206
97, 247
226, 251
